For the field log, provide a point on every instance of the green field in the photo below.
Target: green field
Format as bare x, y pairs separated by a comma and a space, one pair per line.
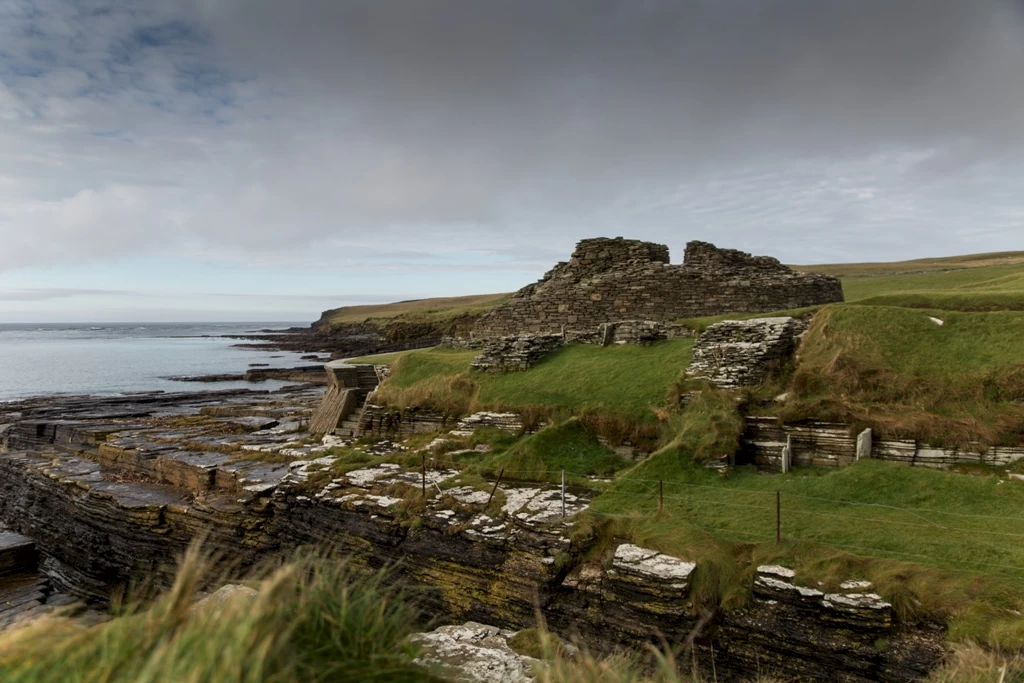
936, 544
990, 288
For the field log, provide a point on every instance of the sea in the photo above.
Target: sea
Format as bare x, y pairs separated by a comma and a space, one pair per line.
104, 359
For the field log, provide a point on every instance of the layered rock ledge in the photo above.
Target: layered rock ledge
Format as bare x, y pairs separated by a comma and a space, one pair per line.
112, 494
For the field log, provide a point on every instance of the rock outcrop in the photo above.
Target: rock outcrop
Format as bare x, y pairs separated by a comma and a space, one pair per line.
609, 280
101, 521
476, 653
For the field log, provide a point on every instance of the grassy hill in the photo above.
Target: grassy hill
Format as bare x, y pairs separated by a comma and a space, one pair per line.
942, 263
436, 311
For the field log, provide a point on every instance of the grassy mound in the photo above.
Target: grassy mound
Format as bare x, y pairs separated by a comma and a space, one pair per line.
619, 388
570, 446
896, 369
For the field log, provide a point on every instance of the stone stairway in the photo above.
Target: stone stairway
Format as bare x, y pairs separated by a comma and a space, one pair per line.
349, 427
348, 385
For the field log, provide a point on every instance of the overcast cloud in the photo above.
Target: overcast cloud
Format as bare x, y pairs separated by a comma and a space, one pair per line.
458, 137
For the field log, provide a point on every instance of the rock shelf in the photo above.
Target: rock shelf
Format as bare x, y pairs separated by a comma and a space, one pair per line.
112, 490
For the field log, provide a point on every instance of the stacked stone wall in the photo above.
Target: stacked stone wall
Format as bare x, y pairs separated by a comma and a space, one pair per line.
520, 352
832, 444
737, 353
608, 280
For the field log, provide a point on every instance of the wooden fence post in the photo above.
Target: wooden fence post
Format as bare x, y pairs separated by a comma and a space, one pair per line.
500, 475
563, 494
778, 517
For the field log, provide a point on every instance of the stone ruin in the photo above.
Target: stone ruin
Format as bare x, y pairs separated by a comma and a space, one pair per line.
738, 353
520, 352
612, 280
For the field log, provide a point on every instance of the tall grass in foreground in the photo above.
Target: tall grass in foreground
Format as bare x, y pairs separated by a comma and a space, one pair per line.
311, 620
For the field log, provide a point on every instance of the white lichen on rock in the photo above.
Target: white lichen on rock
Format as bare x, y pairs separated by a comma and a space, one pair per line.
652, 565
475, 653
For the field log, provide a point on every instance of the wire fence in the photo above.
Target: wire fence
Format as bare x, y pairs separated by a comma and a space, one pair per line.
961, 541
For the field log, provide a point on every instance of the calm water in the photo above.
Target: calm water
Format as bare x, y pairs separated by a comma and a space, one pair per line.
38, 360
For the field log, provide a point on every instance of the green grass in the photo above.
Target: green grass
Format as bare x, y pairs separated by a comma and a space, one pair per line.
957, 285
959, 383
625, 380
310, 621
945, 546
568, 446
942, 263
418, 311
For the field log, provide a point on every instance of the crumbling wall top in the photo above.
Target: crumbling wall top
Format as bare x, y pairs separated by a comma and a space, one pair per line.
602, 253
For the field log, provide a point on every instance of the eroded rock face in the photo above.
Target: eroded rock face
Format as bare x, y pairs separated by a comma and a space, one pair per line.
475, 653
641, 597
804, 631
102, 520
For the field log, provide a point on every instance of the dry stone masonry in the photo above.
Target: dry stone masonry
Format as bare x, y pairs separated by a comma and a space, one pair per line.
737, 353
609, 280
519, 352
814, 443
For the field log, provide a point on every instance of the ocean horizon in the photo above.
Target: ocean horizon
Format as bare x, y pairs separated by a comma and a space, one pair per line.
42, 359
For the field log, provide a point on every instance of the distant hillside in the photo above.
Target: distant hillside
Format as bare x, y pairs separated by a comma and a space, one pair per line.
442, 313
997, 258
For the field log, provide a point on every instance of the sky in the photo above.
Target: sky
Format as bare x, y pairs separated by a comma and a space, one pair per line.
266, 160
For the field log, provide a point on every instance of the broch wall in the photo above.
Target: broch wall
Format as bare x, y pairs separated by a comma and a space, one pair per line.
609, 280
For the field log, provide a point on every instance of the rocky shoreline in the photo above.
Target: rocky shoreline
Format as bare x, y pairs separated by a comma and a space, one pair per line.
111, 489
342, 341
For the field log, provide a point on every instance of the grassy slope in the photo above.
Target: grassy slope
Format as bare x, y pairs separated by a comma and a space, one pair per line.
936, 544
436, 310
627, 380
567, 446
917, 265
975, 289
898, 371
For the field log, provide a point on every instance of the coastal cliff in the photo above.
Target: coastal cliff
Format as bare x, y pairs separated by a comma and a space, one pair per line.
109, 503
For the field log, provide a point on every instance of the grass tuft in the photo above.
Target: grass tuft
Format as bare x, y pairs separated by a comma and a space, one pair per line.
310, 620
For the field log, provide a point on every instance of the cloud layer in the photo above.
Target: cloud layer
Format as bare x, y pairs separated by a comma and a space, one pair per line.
473, 135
